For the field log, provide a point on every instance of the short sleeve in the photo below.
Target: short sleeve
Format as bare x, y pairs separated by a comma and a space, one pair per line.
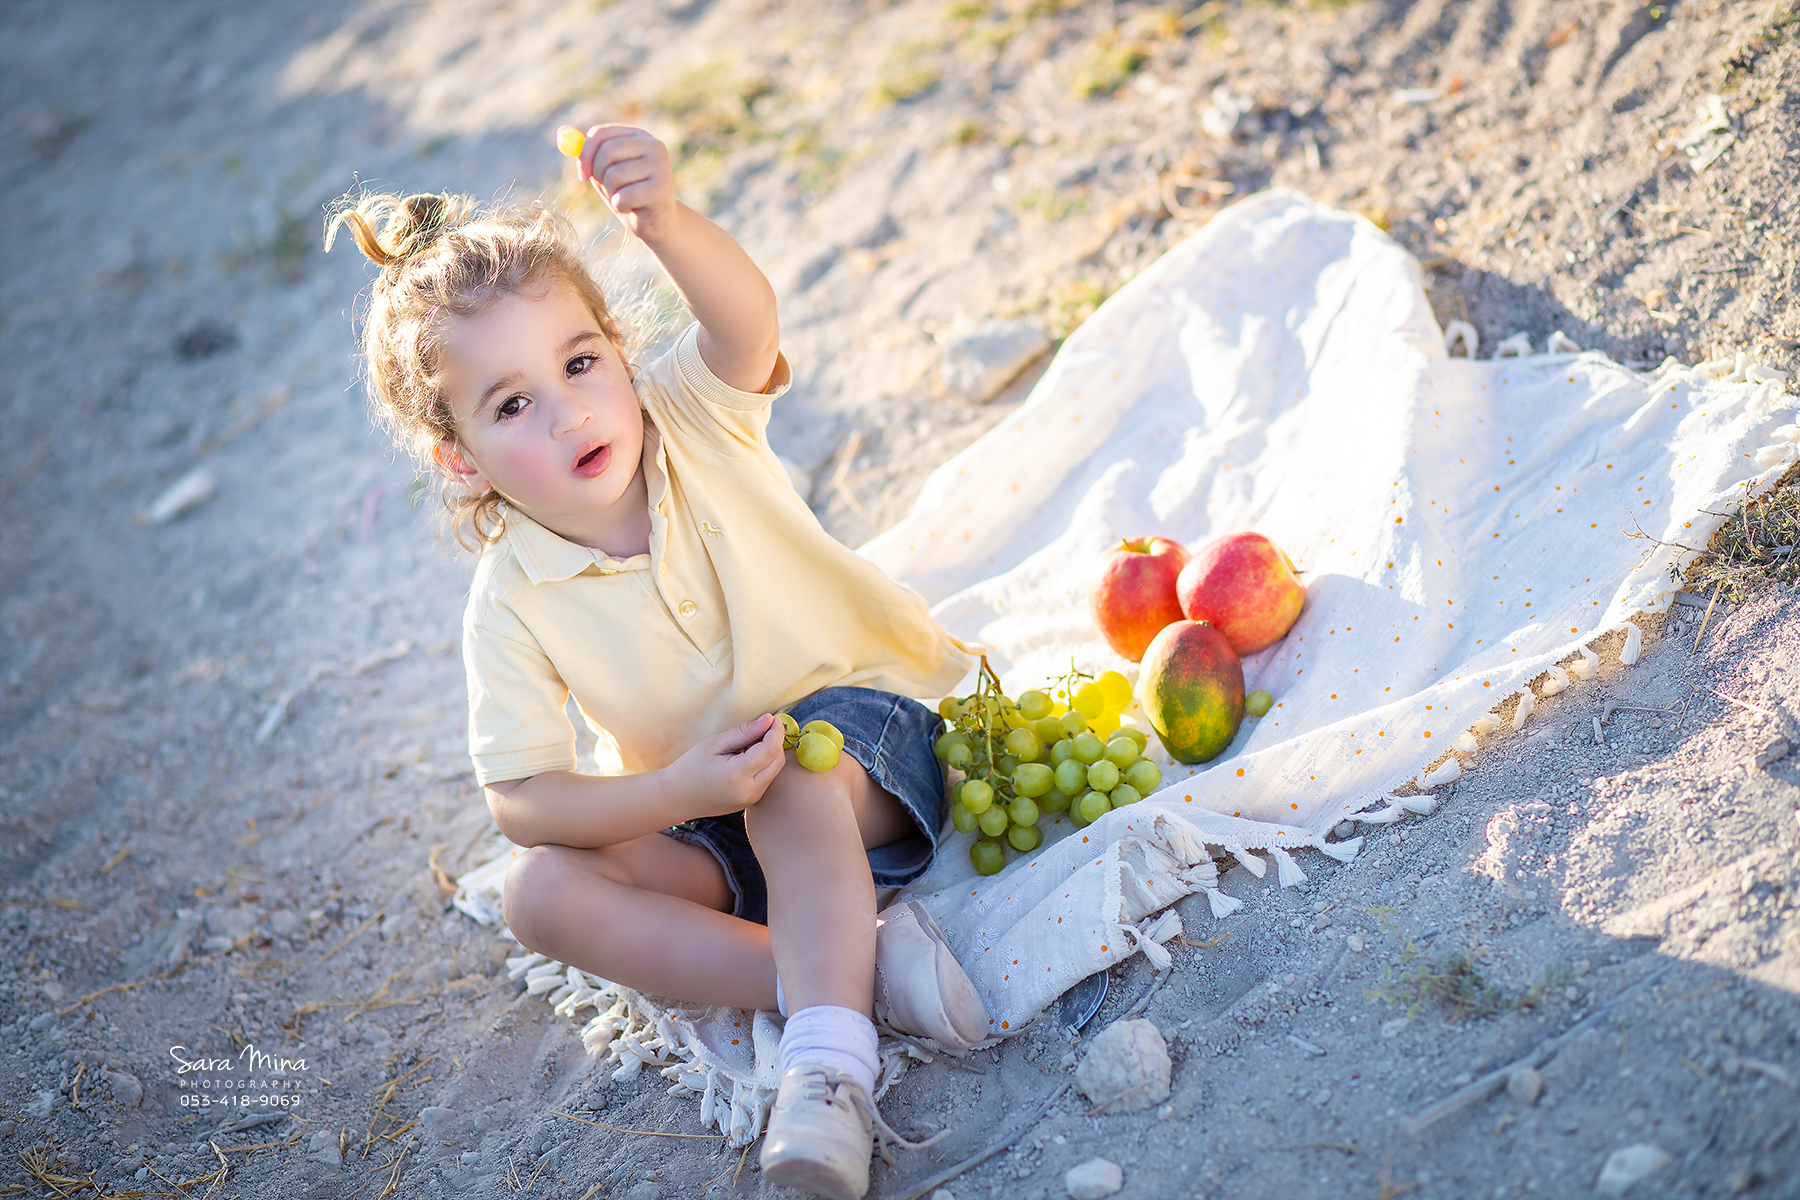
517, 723
685, 388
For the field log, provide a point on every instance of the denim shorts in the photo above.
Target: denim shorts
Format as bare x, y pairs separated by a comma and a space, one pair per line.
892, 737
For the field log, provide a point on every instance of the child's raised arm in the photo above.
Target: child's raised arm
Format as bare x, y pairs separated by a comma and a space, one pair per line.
729, 296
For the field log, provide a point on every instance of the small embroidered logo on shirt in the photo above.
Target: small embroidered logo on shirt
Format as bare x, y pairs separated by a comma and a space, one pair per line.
709, 527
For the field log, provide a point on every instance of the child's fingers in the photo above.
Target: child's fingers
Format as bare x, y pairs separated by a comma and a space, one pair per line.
599, 137
626, 172
750, 733
638, 195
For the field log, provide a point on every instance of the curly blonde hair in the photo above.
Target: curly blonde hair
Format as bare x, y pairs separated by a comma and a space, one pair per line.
443, 257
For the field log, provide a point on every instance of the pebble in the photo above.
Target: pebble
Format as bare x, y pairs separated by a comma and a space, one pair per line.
1772, 752
1356, 943
1093, 1179
127, 1088
1345, 828
1525, 1085
323, 1147
436, 1116
42, 1022
41, 1105
978, 365
1393, 1027
1627, 1166
943, 1194
1127, 1068
6, 1129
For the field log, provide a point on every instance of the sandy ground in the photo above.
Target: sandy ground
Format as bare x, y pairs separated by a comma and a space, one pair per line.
905, 172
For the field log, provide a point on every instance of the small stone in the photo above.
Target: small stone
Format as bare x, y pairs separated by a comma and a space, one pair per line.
1322, 1097
1393, 1027
284, 923
323, 1147
41, 1105
435, 1117
216, 944
1127, 1068
141, 1173
1345, 829
1627, 1166
1772, 752
1356, 943
1525, 1086
943, 1194
1093, 1179
6, 1129
42, 1022
978, 365
127, 1088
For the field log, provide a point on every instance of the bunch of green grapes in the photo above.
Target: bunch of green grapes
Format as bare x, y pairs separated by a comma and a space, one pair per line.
816, 745
1040, 754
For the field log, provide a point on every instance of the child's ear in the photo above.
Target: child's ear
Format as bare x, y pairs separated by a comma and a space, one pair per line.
460, 467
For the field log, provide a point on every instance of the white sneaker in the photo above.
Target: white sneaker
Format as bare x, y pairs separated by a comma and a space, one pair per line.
920, 988
820, 1134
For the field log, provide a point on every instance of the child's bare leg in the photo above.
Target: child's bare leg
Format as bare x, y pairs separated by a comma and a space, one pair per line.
648, 913
811, 831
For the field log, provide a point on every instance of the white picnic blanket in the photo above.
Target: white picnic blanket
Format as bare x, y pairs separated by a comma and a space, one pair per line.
1461, 526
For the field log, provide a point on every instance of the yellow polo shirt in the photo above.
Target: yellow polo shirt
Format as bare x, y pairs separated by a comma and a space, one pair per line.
744, 604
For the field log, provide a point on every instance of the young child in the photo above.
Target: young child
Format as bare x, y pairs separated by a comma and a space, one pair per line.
643, 550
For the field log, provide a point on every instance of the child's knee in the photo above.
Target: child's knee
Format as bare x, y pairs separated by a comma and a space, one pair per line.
534, 880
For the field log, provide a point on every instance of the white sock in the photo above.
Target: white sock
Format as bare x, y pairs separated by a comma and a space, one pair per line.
840, 1038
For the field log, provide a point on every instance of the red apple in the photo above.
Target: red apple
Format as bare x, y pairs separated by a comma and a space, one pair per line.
1134, 596
1245, 586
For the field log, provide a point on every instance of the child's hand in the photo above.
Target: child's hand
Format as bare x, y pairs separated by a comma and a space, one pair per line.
630, 169
729, 772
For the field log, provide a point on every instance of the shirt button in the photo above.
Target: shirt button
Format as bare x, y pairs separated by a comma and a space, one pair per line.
688, 608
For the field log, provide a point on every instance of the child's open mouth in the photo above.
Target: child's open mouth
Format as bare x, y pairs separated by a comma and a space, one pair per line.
594, 461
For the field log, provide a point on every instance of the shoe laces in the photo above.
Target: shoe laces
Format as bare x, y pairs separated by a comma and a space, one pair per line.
820, 1087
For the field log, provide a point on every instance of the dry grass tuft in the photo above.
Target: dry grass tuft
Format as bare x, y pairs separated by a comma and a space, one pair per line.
1417, 982
1756, 547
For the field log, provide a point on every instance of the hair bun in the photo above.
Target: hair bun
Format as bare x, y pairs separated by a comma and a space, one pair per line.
409, 224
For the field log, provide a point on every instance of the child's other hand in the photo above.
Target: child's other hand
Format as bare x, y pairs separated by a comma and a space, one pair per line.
630, 169
730, 771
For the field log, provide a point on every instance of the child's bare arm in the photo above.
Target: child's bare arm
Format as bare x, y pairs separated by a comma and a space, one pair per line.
726, 773
739, 334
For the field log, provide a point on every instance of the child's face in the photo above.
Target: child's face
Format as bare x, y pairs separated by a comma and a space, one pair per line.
544, 409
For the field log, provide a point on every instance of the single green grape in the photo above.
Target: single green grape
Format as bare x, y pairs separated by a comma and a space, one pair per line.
790, 729
1073, 723
1075, 807
1071, 776
826, 728
1033, 779
950, 708
1144, 775
1103, 776
1061, 752
1121, 752
977, 795
988, 857
960, 756
1034, 704
1137, 735
816, 752
1088, 700
1124, 794
1024, 744
994, 821
1088, 748
1048, 729
1023, 811
962, 818
1053, 801
1094, 805
1006, 764
1025, 838
570, 141
1116, 689
1105, 725
1258, 703
941, 747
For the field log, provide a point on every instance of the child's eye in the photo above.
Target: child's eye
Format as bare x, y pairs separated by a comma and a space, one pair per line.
512, 406
581, 363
